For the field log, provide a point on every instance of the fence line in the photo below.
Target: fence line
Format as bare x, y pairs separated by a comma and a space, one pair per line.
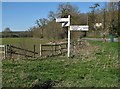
53, 49
11, 50
46, 50
3, 51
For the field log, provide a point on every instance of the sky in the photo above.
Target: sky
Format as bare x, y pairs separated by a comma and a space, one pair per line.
0, 15
20, 16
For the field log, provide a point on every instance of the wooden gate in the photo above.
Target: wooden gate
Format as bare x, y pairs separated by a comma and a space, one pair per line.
2, 51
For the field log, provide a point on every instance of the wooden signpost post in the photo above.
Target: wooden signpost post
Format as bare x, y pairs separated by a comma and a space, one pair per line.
66, 23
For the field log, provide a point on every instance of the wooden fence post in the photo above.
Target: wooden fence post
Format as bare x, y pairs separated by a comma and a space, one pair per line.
2, 51
66, 45
10, 51
7, 54
40, 50
52, 50
5, 51
60, 48
55, 48
34, 51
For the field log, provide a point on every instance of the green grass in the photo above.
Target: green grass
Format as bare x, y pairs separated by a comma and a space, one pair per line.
98, 68
26, 43
108, 37
93, 37
18, 41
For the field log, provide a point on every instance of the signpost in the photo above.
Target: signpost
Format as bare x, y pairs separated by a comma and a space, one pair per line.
66, 23
78, 28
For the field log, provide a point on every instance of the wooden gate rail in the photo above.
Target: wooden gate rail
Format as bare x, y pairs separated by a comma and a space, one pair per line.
54, 51
23, 49
10, 50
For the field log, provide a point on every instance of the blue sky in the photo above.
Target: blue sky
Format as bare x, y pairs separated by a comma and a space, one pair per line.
0, 15
19, 16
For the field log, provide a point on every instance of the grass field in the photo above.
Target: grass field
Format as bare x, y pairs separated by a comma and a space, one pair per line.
26, 43
95, 66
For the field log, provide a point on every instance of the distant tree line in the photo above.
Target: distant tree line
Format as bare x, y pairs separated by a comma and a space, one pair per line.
47, 28
8, 33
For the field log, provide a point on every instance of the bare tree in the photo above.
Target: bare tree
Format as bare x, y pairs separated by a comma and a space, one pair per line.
41, 24
66, 9
113, 16
52, 15
118, 31
93, 13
